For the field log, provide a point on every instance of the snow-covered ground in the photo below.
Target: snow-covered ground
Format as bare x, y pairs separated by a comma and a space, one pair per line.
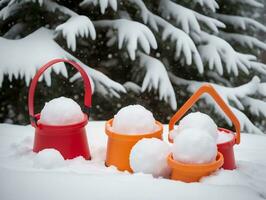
21, 178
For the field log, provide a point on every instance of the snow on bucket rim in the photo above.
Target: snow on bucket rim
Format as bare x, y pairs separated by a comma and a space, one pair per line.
57, 127
230, 142
217, 163
138, 136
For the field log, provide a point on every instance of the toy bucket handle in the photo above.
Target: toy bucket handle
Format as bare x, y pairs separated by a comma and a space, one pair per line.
206, 88
87, 87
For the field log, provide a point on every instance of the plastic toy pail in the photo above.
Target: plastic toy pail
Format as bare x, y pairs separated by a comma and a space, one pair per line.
120, 145
69, 140
193, 172
225, 148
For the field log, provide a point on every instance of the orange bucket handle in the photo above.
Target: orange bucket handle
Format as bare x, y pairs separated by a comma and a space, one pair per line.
206, 88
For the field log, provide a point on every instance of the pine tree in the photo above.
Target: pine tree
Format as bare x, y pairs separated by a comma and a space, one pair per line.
136, 46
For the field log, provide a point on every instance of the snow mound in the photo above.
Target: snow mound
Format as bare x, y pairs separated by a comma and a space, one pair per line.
194, 146
224, 137
48, 159
197, 120
149, 156
61, 111
134, 119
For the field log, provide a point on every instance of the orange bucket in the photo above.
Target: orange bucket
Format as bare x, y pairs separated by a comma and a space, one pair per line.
120, 145
225, 148
193, 172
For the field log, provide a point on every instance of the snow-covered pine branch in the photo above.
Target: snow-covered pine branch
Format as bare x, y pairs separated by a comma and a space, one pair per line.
103, 84
235, 97
21, 58
130, 34
256, 107
252, 3
74, 27
132, 87
15, 31
147, 16
210, 4
9, 10
215, 51
102, 3
43, 48
15, 6
239, 22
52, 6
243, 40
156, 78
187, 19
258, 67
183, 43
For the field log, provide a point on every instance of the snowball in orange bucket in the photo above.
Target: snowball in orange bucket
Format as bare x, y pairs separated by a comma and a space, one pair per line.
61, 111
134, 120
196, 120
129, 125
194, 146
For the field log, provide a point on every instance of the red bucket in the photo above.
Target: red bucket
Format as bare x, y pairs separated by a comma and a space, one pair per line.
69, 140
225, 148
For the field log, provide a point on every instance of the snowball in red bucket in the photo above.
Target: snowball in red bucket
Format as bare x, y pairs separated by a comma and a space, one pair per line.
149, 155
134, 119
196, 120
224, 137
61, 111
48, 159
194, 146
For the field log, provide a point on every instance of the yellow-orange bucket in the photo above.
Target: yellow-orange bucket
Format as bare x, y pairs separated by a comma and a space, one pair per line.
193, 172
119, 145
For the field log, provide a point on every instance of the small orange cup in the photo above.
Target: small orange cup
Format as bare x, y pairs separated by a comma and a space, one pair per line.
193, 172
119, 145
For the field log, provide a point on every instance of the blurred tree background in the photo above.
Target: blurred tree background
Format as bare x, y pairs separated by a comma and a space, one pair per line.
112, 62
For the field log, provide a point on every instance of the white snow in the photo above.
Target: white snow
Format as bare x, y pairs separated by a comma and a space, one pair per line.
134, 119
81, 179
149, 156
186, 18
156, 77
224, 137
103, 4
197, 120
214, 51
74, 27
124, 35
61, 111
48, 159
194, 146
24, 64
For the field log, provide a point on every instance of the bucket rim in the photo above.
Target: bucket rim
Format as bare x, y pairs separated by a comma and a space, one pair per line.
176, 165
230, 142
120, 136
56, 127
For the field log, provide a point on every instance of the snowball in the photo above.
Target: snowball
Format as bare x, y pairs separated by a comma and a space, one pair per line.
149, 155
198, 121
48, 159
194, 146
134, 119
224, 137
61, 111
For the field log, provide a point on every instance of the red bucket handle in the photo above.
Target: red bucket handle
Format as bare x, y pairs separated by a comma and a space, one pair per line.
206, 88
86, 81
